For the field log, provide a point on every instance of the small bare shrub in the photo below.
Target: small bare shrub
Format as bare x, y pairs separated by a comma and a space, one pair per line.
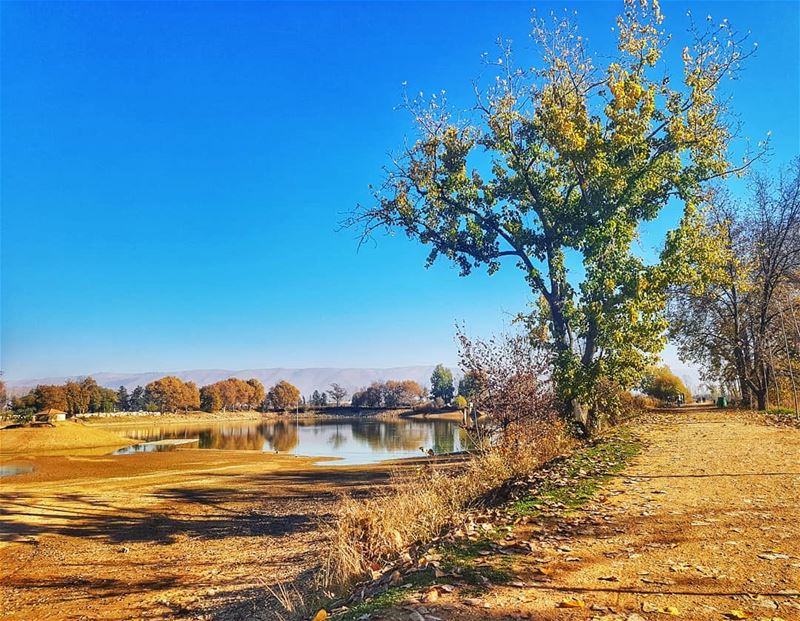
520, 431
510, 380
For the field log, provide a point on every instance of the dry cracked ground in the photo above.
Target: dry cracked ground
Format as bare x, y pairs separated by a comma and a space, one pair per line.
704, 523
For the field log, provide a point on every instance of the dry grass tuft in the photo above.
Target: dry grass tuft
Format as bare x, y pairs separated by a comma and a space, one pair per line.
368, 534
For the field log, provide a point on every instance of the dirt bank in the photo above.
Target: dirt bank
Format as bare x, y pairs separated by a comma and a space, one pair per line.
704, 525
184, 533
68, 436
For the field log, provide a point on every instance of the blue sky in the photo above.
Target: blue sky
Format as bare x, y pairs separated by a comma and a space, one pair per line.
173, 176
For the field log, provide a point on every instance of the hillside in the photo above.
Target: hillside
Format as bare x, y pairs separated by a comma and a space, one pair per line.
307, 380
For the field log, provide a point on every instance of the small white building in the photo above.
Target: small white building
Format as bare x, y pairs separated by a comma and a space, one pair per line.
50, 415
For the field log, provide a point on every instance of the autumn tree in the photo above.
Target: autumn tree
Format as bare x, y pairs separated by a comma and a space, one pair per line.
731, 318
337, 393
77, 396
401, 393
442, 383
170, 394
257, 394
191, 397
577, 157
389, 394
369, 397
283, 395
235, 394
511, 383
50, 396
662, 384
210, 398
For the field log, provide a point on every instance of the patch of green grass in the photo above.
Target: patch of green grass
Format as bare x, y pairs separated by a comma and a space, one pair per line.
461, 558
576, 478
571, 482
390, 597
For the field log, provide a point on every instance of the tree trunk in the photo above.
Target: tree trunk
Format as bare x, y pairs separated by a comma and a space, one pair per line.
580, 416
761, 399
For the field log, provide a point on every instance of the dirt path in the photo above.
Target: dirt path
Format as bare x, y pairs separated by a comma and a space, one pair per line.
704, 524
181, 534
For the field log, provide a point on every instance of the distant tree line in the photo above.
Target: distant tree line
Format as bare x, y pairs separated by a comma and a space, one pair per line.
72, 397
394, 393
388, 394
166, 394
172, 394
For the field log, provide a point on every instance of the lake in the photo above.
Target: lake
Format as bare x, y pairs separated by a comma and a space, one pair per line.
351, 440
8, 470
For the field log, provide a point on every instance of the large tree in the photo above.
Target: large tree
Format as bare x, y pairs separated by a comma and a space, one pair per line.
283, 395
257, 393
210, 398
569, 159
402, 393
123, 399
337, 393
732, 319
442, 383
170, 394
662, 384
138, 399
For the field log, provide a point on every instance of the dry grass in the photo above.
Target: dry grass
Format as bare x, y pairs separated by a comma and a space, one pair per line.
368, 534
290, 599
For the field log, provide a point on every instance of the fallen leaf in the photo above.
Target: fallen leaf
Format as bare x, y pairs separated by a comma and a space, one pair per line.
572, 602
321, 615
432, 596
736, 614
773, 556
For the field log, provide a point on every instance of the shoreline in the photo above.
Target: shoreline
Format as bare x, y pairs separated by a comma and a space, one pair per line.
200, 417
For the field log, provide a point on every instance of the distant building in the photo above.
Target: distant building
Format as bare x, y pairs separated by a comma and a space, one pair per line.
50, 415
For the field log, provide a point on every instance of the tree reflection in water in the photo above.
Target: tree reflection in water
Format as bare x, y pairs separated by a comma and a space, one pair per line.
357, 440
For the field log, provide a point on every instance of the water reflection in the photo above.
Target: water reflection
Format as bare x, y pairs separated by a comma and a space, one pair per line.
354, 440
7, 470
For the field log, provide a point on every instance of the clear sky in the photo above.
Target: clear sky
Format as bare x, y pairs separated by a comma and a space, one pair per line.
173, 176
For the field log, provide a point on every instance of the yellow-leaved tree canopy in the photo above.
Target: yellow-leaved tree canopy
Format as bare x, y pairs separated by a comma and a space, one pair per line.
570, 157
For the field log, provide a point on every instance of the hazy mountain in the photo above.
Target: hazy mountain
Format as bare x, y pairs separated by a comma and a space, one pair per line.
307, 380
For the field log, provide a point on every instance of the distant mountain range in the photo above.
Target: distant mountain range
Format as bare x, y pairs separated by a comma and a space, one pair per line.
307, 380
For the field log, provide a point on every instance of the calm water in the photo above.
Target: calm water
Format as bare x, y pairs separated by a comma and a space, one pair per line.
352, 440
8, 470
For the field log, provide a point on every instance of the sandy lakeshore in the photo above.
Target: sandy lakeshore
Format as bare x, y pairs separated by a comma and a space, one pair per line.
61, 437
191, 533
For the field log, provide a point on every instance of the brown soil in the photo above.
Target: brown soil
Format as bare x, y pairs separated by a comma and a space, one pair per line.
704, 522
62, 436
701, 521
185, 533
